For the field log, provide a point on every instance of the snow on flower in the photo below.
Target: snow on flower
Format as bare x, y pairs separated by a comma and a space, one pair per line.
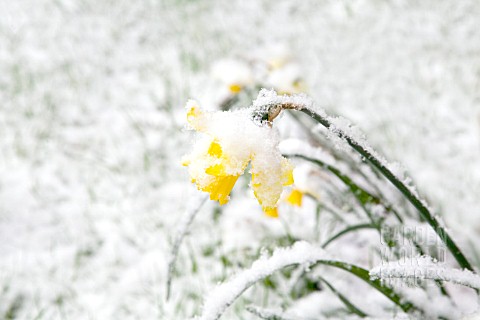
231, 141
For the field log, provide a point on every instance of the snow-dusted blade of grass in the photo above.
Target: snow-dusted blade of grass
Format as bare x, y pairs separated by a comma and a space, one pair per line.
347, 230
301, 253
225, 294
192, 210
343, 135
425, 268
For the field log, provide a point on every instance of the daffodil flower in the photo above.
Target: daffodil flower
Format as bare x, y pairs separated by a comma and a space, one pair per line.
231, 141
233, 74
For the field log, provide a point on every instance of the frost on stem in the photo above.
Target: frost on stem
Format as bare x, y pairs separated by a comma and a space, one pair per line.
425, 268
193, 208
341, 131
225, 294
268, 105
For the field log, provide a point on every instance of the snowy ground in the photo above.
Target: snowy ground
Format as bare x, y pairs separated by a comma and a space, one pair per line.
91, 136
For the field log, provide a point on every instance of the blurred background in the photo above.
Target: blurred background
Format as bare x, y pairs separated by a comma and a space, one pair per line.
92, 132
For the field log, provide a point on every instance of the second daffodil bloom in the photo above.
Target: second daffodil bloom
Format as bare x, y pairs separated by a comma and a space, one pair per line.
233, 74
230, 141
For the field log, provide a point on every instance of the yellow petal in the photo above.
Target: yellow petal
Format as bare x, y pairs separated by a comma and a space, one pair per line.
235, 88
271, 212
295, 198
215, 149
220, 188
266, 193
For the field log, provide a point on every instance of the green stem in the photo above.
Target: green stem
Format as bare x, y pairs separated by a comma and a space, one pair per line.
411, 197
347, 230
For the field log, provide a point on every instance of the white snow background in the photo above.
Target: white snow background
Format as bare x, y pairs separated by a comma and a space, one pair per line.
92, 133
